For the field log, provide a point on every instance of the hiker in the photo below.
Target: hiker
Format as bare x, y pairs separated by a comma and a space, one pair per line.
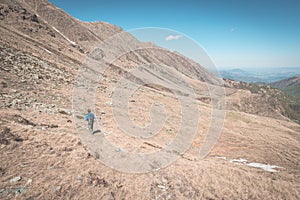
90, 117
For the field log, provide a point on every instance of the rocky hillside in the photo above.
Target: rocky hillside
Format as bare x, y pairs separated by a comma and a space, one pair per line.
261, 99
48, 33
42, 47
32, 24
291, 87
44, 156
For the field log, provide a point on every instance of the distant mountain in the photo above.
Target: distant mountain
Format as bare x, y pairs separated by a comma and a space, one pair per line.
291, 86
290, 82
239, 75
260, 75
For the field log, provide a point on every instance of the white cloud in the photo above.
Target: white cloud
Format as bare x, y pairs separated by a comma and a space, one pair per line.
232, 29
173, 37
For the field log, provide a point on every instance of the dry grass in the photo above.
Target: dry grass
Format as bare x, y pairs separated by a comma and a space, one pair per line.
54, 164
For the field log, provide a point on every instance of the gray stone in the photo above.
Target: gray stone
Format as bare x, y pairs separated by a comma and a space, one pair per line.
119, 150
15, 179
79, 179
20, 190
58, 188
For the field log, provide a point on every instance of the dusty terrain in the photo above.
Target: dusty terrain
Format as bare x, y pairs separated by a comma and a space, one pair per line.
44, 155
47, 154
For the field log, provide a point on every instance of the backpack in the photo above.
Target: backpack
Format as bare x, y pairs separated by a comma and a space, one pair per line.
91, 117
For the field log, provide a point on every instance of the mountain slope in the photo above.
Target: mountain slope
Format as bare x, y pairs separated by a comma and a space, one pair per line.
43, 154
77, 39
58, 38
291, 86
290, 82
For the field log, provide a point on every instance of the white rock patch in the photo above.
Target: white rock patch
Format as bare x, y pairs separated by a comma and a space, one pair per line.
241, 160
268, 168
265, 167
72, 42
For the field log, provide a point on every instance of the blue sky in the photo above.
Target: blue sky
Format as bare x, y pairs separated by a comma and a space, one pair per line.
234, 33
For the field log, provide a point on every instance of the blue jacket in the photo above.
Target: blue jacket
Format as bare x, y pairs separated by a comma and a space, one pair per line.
88, 116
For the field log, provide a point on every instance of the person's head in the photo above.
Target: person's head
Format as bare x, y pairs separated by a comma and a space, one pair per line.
89, 110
